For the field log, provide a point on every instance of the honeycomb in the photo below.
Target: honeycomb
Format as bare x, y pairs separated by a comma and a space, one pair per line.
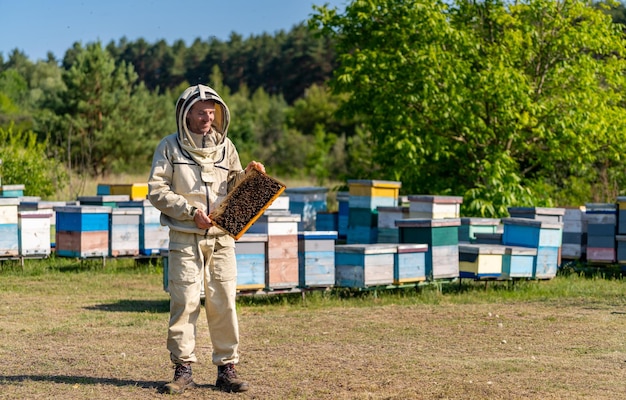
246, 203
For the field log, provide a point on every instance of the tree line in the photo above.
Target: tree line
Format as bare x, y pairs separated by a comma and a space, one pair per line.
504, 104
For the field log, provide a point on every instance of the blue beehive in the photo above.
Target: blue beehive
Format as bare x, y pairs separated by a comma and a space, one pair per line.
410, 263
82, 231
364, 265
544, 236
316, 259
251, 254
327, 221
307, 201
9, 226
518, 262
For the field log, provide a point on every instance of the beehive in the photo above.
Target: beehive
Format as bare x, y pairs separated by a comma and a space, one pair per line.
544, 236
246, 203
548, 214
518, 262
82, 231
9, 227
364, 265
471, 226
251, 253
281, 228
480, 261
153, 237
434, 207
601, 227
442, 238
316, 258
124, 231
34, 233
307, 201
410, 263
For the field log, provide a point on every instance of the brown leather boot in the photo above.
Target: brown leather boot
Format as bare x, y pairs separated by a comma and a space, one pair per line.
228, 381
182, 380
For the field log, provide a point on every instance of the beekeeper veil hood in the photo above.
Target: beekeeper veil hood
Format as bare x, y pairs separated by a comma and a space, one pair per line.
208, 156
192, 95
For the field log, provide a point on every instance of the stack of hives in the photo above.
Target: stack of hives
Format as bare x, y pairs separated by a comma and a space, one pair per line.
365, 197
601, 227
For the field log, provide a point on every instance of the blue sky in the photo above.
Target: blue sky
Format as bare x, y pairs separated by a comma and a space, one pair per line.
38, 26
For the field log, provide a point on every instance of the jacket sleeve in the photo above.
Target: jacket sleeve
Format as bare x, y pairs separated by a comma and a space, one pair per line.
160, 191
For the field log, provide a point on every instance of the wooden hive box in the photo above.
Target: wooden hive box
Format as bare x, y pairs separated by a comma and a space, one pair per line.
374, 188
601, 219
387, 229
621, 215
327, 221
246, 203
471, 226
548, 214
104, 200
442, 238
518, 262
153, 237
480, 261
434, 232
103, 189
364, 265
9, 226
488, 238
574, 234
307, 201
544, 236
11, 190
47, 206
281, 229
371, 194
251, 254
410, 263
82, 231
124, 231
620, 249
434, 207
135, 191
316, 258
362, 225
34, 233
343, 210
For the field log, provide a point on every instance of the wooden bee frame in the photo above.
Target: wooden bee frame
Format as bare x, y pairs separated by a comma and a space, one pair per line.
246, 203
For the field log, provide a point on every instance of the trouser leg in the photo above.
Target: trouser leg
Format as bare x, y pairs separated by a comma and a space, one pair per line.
185, 284
220, 302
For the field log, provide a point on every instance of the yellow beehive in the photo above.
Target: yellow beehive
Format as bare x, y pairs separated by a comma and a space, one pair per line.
136, 191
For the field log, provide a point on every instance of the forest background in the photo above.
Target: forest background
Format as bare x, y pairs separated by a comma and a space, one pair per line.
505, 104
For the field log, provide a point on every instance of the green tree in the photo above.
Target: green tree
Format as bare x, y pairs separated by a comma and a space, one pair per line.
105, 120
24, 162
490, 100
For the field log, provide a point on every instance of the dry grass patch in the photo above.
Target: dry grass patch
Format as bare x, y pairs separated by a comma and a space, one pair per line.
102, 336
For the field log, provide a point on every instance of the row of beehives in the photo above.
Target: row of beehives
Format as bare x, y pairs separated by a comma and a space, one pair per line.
84, 228
274, 254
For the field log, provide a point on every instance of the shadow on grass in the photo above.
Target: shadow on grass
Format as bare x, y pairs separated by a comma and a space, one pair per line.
89, 380
151, 306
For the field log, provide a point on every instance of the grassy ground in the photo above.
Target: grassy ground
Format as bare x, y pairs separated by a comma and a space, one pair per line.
81, 331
